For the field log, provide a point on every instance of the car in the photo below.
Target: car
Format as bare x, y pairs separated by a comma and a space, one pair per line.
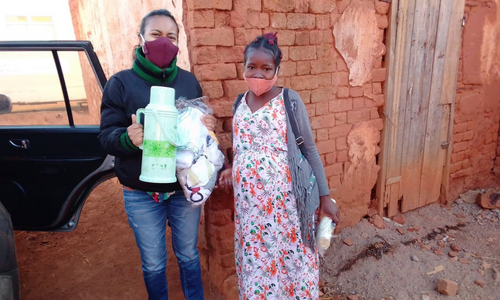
50, 157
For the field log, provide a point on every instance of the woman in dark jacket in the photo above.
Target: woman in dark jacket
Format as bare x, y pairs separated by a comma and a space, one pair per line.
150, 205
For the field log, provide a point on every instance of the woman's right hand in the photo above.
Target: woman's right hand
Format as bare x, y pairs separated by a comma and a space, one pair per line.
135, 132
226, 180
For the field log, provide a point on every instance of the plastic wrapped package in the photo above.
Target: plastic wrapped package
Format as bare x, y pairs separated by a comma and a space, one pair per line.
199, 159
324, 234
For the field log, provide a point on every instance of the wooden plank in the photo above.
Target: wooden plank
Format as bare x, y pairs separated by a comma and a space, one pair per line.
450, 84
397, 27
393, 208
432, 166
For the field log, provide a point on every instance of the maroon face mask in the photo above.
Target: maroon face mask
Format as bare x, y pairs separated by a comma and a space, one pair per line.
160, 52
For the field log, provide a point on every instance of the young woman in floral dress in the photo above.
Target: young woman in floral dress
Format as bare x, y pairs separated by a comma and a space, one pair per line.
272, 260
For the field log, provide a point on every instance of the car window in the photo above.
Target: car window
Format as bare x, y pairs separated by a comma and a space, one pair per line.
31, 81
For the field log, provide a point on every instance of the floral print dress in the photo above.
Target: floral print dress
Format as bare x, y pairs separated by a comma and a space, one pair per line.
271, 260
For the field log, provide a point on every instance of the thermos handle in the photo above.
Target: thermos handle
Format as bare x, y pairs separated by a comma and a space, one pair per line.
138, 119
165, 131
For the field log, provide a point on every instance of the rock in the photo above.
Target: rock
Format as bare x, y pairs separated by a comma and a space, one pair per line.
486, 265
454, 258
372, 212
479, 282
470, 196
488, 200
452, 254
377, 221
447, 287
348, 242
481, 272
321, 283
364, 235
353, 297
490, 240
455, 247
399, 219
496, 274
464, 261
438, 252
459, 201
460, 216
386, 219
426, 247
321, 294
425, 297
441, 244
414, 228
414, 258
400, 230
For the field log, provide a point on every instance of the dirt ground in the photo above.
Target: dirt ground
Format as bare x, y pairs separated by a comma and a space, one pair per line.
99, 260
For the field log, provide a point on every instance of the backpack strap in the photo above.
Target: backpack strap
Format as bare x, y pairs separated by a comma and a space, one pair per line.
291, 108
237, 102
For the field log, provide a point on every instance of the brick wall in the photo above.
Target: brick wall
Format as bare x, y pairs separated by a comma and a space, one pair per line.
476, 123
218, 31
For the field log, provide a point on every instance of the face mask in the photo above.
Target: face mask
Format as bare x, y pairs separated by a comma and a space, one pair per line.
160, 52
260, 86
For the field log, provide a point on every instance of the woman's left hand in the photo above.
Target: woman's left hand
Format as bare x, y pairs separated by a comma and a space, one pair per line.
328, 208
209, 122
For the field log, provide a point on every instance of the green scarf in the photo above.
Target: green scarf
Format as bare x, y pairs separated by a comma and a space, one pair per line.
151, 73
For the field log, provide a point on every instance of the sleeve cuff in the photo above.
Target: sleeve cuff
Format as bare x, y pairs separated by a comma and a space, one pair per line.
127, 144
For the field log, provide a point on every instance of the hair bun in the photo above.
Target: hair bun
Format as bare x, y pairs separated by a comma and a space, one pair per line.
271, 37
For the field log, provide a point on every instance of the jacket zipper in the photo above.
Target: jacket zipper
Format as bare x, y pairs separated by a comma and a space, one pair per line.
164, 75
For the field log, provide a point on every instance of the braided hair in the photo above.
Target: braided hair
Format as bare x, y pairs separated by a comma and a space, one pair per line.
268, 42
155, 13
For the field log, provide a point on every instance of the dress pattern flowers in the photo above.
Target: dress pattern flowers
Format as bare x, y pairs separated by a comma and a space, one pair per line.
271, 260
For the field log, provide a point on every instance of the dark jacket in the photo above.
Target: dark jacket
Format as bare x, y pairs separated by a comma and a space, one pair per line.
124, 93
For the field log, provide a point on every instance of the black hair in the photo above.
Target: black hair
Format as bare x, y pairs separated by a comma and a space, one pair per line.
155, 13
268, 42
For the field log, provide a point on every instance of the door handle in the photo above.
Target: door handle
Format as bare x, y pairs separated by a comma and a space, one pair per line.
21, 144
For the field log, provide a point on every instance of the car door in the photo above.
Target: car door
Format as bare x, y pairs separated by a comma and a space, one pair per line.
50, 157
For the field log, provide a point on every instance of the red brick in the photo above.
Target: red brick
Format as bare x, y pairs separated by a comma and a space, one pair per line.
459, 128
278, 20
341, 65
305, 95
379, 100
378, 75
311, 110
334, 181
233, 88
354, 117
322, 134
358, 103
455, 167
322, 21
230, 54
302, 53
240, 69
342, 92
330, 158
460, 147
238, 19
325, 51
209, 4
257, 20
201, 18
243, 36
212, 37
340, 118
342, 156
302, 38
356, 92
284, 51
213, 89
341, 143
308, 82
377, 88
215, 72
382, 21
335, 169
339, 105
223, 107
321, 7
322, 37
286, 38
382, 7
374, 113
203, 55
334, 17
458, 137
377, 124
323, 94
279, 5
341, 130
303, 67
340, 79
288, 69
468, 135
301, 21
456, 157
322, 122
247, 5
326, 80
471, 125
322, 108
324, 65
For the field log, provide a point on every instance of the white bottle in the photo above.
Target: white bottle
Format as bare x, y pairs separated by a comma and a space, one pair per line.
324, 234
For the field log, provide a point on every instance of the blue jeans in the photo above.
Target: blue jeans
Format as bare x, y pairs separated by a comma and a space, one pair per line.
148, 220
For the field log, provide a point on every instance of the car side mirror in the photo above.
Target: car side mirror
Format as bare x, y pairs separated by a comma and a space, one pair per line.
5, 104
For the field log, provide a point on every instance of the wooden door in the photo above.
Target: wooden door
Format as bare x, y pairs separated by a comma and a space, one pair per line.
423, 52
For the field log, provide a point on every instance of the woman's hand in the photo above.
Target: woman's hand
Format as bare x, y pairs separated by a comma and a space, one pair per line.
329, 209
209, 121
135, 132
226, 180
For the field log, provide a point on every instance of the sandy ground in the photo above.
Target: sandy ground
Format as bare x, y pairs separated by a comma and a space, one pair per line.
99, 260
